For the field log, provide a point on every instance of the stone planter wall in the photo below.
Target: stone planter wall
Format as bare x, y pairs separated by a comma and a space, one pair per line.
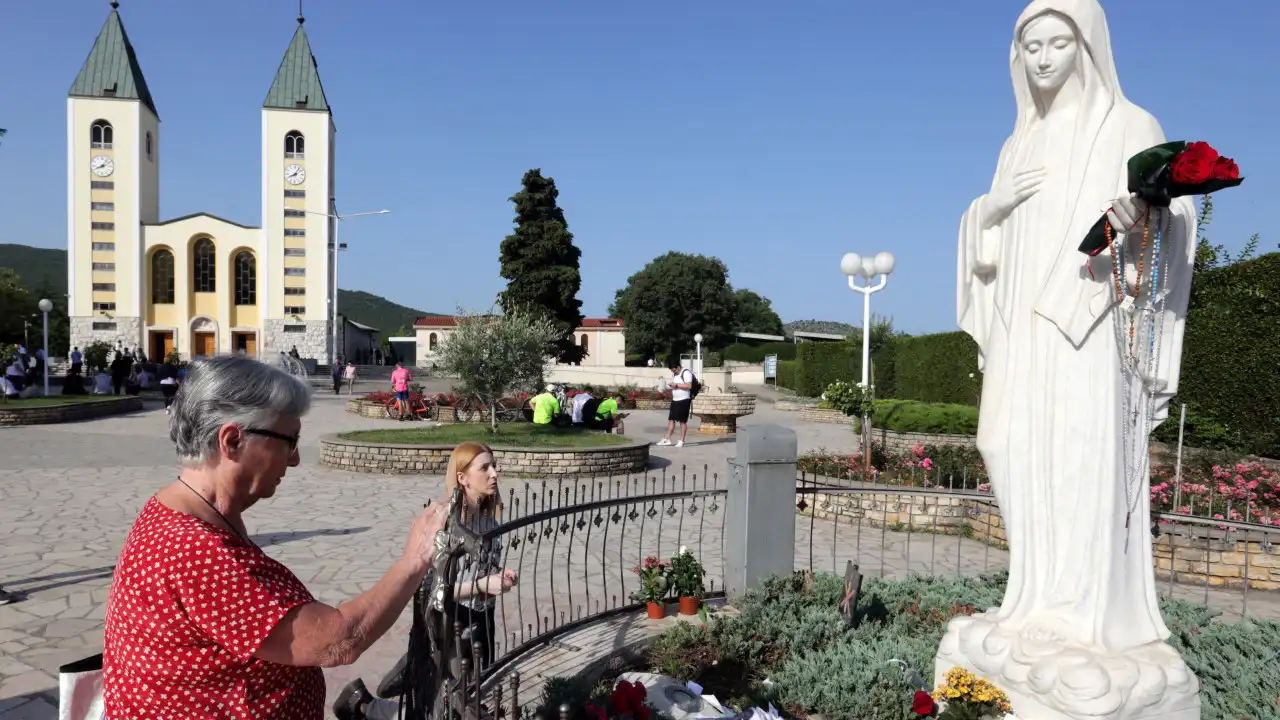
12, 414
1225, 559
719, 413
367, 408
652, 404
815, 414
404, 459
792, 405
902, 442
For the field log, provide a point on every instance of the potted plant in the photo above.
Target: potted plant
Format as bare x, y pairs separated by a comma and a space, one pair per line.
653, 586
686, 577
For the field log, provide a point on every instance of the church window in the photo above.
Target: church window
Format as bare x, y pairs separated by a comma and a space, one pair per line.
294, 252
149, 146
104, 287
162, 277
204, 268
295, 232
296, 272
295, 193
295, 291
101, 134
582, 343
104, 307
295, 310
104, 246
432, 341
103, 206
102, 226
103, 185
294, 145
105, 266
294, 212
246, 278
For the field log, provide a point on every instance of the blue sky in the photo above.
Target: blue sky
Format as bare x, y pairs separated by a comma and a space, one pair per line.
775, 136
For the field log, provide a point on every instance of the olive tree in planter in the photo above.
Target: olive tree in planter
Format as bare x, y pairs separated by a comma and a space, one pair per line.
496, 355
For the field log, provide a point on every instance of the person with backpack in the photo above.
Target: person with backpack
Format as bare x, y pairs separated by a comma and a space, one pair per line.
684, 387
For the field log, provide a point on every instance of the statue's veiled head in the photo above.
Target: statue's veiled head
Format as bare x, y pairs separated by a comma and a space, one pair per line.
1050, 50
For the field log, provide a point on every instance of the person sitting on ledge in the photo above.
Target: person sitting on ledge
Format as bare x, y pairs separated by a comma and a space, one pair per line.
73, 383
545, 406
607, 417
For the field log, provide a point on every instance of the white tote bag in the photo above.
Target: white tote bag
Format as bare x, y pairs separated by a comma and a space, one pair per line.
80, 690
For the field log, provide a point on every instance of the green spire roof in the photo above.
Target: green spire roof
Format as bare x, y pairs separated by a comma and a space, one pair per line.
297, 84
112, 70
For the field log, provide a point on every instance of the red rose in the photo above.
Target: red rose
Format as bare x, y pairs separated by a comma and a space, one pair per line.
1224, 168
922, 704
1195, 164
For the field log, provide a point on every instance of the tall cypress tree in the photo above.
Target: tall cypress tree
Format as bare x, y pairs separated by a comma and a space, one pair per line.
540, 263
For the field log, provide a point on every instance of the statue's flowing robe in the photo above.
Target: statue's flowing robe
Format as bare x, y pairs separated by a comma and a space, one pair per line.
1050, 430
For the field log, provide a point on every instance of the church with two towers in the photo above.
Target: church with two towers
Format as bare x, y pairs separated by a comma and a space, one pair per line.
198, 284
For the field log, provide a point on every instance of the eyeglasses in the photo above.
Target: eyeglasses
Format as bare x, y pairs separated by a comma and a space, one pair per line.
292, 440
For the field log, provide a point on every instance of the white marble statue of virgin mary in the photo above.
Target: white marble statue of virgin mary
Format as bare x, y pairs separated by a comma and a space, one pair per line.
1079, 634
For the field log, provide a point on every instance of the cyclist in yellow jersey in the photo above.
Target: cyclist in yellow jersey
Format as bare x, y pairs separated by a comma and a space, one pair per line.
545, 407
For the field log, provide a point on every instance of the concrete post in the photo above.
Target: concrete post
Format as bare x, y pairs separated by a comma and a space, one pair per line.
760, 527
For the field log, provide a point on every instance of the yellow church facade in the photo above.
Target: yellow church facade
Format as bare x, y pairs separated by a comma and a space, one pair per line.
197, 284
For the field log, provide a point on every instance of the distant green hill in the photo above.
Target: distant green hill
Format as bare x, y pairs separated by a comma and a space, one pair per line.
819, 326
37, 266
48, 266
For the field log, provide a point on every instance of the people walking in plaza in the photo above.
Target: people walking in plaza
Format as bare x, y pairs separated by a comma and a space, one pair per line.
681, 385
336, 373
477, 586
197, 612
77, 359
168, 374
349, 374
400, 379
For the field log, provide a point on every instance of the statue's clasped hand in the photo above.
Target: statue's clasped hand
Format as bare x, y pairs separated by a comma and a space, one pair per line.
1124, 213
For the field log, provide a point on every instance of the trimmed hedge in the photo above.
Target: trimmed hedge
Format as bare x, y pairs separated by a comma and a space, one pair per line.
743, 352
932, 418
788, 371
935, 368
822, 363
1230, 376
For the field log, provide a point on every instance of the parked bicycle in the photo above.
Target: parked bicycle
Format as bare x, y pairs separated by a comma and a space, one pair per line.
474, 409
417, 407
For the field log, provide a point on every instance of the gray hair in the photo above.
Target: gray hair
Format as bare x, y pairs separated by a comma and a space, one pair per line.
230, 389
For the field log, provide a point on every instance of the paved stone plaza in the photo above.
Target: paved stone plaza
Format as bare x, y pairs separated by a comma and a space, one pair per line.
69, 493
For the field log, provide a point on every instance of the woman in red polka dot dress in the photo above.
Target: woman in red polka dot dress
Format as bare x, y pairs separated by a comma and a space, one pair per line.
201, 623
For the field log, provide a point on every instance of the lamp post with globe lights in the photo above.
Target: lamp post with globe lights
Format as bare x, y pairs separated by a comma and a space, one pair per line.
697, 339
46, 306
868, 268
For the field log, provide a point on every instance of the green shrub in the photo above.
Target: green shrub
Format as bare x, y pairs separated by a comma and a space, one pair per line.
936, 368
1229, 373
752, 353
934, 418
822, 363
788, 373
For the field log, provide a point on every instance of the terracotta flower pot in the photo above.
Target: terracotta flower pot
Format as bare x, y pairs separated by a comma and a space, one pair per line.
657, 611
689, 605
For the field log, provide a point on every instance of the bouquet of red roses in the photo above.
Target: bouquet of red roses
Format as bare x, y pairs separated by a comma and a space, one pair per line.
1174, 169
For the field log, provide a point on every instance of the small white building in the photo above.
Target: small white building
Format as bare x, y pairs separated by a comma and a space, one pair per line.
603, 339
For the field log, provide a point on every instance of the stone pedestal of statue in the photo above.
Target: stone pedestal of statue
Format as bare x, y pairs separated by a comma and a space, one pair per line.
1076, 383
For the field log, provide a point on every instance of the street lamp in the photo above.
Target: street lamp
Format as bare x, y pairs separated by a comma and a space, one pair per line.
45, 306
856, 266
333, 296
697, 339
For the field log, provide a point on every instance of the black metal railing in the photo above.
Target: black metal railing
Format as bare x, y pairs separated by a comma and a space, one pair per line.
574, 544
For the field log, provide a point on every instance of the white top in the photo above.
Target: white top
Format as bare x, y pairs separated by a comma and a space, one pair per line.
683, 377
579, 401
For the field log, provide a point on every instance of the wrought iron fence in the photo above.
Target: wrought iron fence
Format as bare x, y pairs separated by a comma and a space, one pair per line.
937, 527
574, 545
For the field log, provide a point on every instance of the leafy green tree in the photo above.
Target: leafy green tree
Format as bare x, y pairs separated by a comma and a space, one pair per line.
754, 313
59, 324
540, 264
673, 298
17, 307
494, 355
